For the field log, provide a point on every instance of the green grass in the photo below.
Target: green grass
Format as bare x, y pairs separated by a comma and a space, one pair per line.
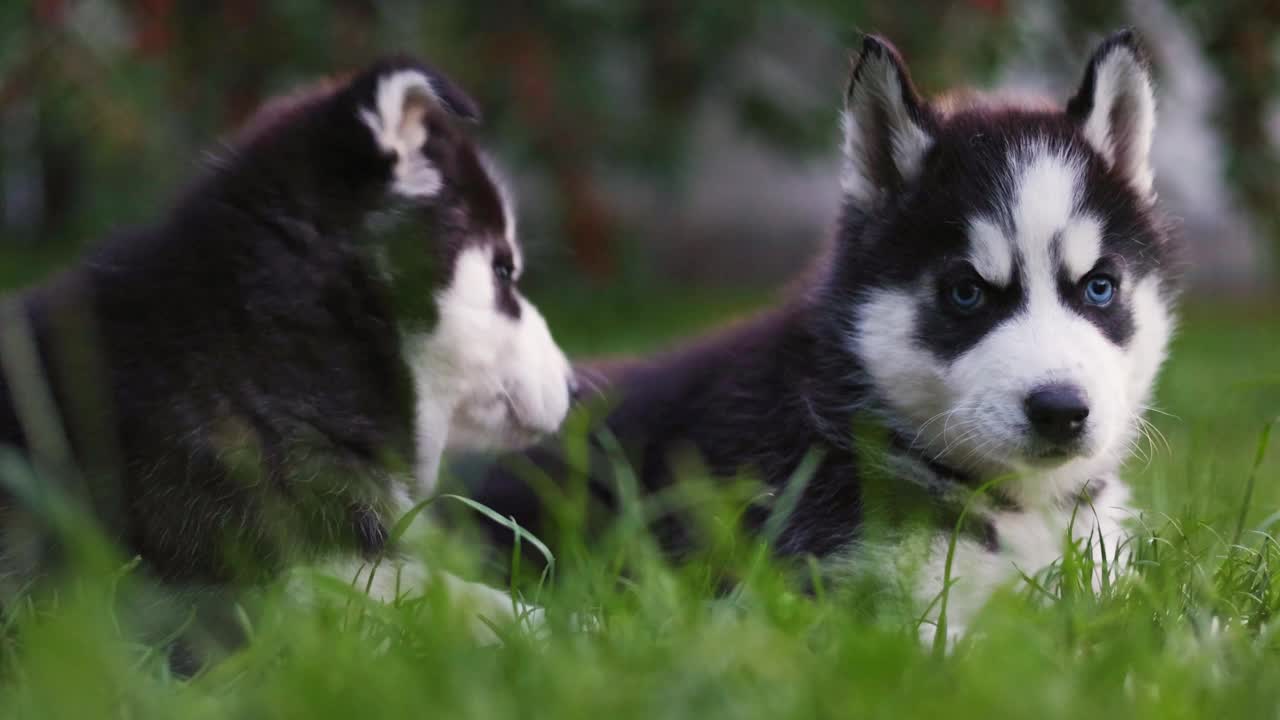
665, 644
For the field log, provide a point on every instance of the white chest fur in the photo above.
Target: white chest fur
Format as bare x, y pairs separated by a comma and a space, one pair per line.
1024, 542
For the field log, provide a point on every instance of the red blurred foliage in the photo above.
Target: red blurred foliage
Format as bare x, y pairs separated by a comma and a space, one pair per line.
155, 27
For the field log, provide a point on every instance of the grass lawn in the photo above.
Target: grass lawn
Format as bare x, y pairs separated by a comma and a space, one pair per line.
1188, 635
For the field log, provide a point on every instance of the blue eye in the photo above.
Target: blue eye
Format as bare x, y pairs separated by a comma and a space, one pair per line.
966, 296
1099, 290
504, 270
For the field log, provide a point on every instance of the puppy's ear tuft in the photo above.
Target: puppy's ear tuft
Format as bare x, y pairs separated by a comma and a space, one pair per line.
1116, 108
397, 111
888, 129
453, 98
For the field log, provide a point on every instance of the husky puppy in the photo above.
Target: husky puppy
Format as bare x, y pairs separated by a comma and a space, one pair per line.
254, 381
993, 310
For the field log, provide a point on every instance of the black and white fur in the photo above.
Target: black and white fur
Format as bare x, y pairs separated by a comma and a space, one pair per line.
1035, 210
267, 376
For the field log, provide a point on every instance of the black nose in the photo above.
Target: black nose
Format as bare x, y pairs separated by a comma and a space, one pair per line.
1057, 412
575, 388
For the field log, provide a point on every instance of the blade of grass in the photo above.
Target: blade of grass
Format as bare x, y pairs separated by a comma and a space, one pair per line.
508, 523
940, 636
1261, 454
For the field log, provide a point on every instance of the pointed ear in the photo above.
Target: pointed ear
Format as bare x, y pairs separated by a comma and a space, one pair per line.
1116, 108
887, 127
397, 111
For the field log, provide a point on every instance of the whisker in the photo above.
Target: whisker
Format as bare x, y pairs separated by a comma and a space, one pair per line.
1154, 435
1158, 411
594, 380
969, 433
927, 423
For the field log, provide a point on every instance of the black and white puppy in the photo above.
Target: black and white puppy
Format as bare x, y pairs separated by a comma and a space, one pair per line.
995, 306
254, 381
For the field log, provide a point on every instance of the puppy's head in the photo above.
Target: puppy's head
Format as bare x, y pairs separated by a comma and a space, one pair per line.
488, 372
1013, 276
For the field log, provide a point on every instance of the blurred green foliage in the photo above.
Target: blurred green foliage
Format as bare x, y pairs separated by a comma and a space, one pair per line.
106, 104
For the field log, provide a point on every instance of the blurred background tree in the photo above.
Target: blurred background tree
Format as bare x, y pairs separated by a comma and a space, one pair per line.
683, 140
